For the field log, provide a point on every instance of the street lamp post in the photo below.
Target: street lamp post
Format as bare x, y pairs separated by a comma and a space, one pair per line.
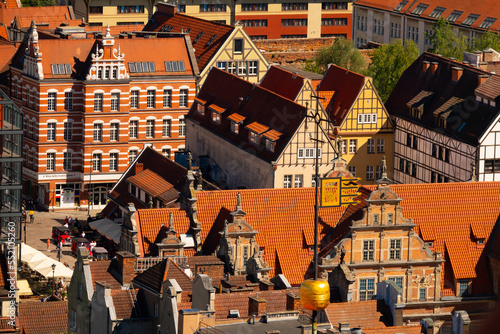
53, 276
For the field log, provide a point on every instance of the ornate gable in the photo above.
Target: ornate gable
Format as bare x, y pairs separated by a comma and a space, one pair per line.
33, 57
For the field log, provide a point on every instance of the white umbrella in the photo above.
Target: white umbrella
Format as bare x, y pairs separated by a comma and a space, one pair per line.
60, 271
36, 259
31, 258
27, 251
42, 264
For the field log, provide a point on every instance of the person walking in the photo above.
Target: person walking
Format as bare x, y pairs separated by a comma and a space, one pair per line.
32, 216
48, 244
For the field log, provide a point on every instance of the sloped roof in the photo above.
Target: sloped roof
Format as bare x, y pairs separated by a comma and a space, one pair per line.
282, 82
123, 301
101, 272
166, 269
357, 314
3, 32
255, 103
487, 9
275, 301
150, 182
38, 14
449, 100
490, 89
7, 51
165, 20
448, 209
345, 86
54, 315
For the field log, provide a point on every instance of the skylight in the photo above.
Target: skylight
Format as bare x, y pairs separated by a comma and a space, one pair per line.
470, 19
437, 12
60, 69
400, 6
174, 66
488, 22
211, 40
420, 9
141, 67
166, 28
198, 37
454, 16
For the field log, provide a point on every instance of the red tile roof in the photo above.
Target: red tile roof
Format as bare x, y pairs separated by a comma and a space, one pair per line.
283, 82
124, 301
166, 269
101, 271
43, 318
356, 314
12, 3
7, 51
487, 9
236, 117
55, 15
3, 32
212, 34
256, 104
150, 182
346, 85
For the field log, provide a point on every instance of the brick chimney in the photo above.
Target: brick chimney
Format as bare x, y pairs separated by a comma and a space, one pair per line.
293, 302
434, 66
426, 65
126, 262
481, 79
488, 55
139, 167
257, 306
167, 8
456, 73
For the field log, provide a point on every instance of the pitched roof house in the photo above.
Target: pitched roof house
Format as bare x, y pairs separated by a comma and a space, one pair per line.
264, 136
215, 44
446, 118
43, 318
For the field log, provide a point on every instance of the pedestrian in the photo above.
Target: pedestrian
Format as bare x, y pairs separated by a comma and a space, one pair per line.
83, 234
66, 221
32, 216
48, 244
70, 221
75, 222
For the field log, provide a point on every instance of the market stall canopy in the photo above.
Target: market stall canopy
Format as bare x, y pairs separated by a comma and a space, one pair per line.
108, 228
27, 252
24, 287
42, 264
60, 271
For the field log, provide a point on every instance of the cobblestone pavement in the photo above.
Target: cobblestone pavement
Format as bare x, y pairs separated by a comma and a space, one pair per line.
41, 229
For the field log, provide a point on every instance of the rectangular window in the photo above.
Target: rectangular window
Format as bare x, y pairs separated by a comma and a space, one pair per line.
294, 6
96, 162
463, 288
167, 98
242, 68
215, 117
68, 101
132, 154
73, 314
367, 118
51, 161
234, 127
114, 134
352, 170
67, 161
390, 218
51, 103
366, 288
166, 152
113, 162
95, 9
287, 181
212, 8
115, 101
254, 137
397, 280
293, 22
134, 99
231, 67
333, 5
98, 132
270, 145
51, 131
368, 250
307, 153
68, 131
245, 255
238, 45
151, 98
299, 181
167, 128
150, 128
253, 67
343, 146
129, 9
134, 125
98, 97
422, 294
395, 249
250, 7
183, 98
369, 172
370, 146
378, 172
182, 127
380, 145
376, 218
222, 65
353, 144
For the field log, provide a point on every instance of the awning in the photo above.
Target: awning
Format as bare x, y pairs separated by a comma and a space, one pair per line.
24, 287
42, 264
60, 271
108, 228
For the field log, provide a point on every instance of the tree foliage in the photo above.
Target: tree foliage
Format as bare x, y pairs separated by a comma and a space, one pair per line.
37, 3
342, 53
445, 42
389, 62
487, 40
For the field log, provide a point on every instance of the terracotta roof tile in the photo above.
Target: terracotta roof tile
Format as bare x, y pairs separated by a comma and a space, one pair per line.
123, 301
357, 314
257, 127
54, 315
3, 32
207, 31
461, 261
38, 14
272, 134
489, 88
236, 117
150, 182
166, 269
283, 82
414, 329
101, 271
7, 51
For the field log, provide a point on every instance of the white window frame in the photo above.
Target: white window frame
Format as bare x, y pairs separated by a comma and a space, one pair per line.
68, 131
68, 101
353, 146
150, 128
308, 153
287, 181
182, 127
98, 131
167, 127
167, 98
115, 101
151, 98
51, 131
370, 118
67, 156
395, 249
132, 154
52, 101
183, 97
96, 162
51, 161
113, 161
134, 129
114, 132
98, 101
298, 181
134, 98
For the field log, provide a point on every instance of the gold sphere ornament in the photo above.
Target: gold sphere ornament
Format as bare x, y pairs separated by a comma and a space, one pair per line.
315, 294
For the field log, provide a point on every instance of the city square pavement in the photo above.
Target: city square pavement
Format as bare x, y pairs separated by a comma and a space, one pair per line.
41, 229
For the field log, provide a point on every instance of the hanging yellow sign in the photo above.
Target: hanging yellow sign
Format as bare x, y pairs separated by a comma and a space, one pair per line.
337, 191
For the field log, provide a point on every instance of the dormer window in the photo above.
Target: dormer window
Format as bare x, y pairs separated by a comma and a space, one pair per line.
234, 127
200, 108
271, 137
254, 137
270, 145
216, 117
429, 244
480, 242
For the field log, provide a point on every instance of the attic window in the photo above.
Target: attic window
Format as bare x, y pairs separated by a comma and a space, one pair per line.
400, 6
200, 108
420, 9
429, 244
367, 118
488, 22
234, 314
437, 12
270, 145
61, 69
234, 127
166, 29
174, 66
480, 242
216, 117
211, 40
454, 16
141, 67
254, 137
470, 19
198, 37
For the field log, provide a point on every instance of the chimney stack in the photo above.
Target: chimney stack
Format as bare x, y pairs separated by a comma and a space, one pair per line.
426, 65
167, 8
139, 167
126, 262
434, 66
456, 73
481, 79
257, 306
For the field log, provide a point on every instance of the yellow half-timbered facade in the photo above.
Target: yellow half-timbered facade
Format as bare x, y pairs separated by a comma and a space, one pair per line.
359, 120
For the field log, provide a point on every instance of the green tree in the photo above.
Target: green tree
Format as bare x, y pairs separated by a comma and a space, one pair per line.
487, 40
342, 53
445, 42
389, 62
37, 3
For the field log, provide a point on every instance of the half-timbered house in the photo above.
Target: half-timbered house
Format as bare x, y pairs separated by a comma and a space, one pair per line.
446, 120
